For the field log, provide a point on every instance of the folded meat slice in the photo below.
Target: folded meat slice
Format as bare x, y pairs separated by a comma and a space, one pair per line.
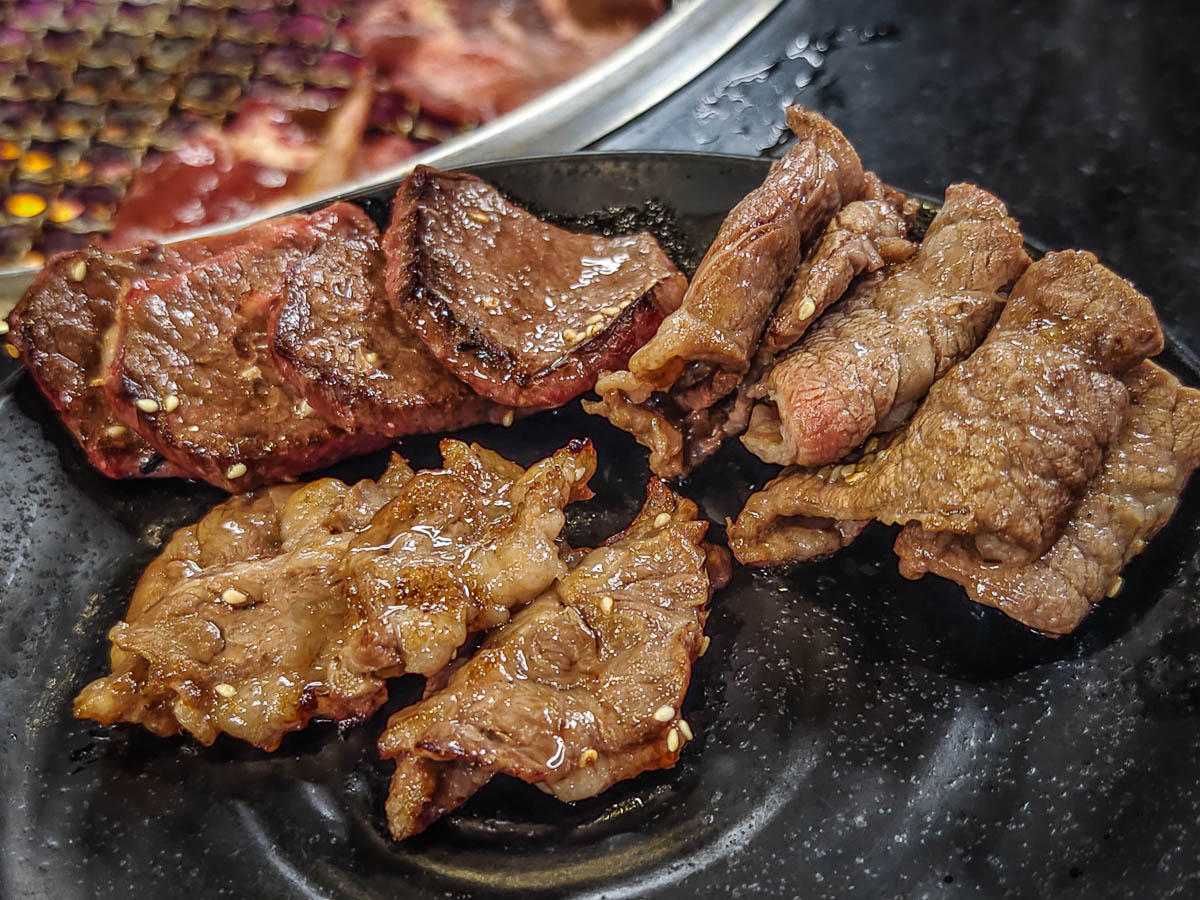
866, 364
704, 348
1128, 502
582, 689
337, 340
455, 551
524, 312
65, 330
193, 372
236, 626
1005, 444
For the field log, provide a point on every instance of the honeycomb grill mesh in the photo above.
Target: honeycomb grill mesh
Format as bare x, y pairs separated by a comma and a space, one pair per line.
89, 87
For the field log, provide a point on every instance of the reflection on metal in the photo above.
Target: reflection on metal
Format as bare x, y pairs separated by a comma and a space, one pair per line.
660, 61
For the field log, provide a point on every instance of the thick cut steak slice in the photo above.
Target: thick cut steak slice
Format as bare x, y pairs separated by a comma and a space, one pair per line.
524, 312
582, 689
355, 359
235, 626
1005, 444
1131, 499
194, 375
65, 328
704, 349
866, 364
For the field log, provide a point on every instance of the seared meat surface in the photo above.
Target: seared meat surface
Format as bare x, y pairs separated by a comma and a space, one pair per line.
704, 349
194, 374
1132, 497
295, 602
337, 340
236, 626
582, 689
1005, 444
865, 365
455, 551
524, 312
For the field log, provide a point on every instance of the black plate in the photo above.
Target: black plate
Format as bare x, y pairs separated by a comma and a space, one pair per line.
857, 734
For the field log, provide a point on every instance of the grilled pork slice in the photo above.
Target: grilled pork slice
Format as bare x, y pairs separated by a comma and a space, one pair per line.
524, 312
1128, 502
454, 552
193, 372
866, 364
582, 689
236, 626
65, 328
702, 351
252, 621
356, 361
1006, 443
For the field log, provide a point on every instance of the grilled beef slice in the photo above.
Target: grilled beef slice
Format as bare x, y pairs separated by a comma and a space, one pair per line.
1005, 444
1126, 504
582, 689
704, 349
193, 372
524, 312
867, 363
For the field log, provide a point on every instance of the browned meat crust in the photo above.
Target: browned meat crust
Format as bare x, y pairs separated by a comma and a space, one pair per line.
524, 312
296, 602
193, 372
1132, 497
1005, 444
865, 365
704, 349
582, 689
337, 340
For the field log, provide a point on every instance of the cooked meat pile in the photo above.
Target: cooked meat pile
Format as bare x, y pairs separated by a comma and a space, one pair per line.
295, 602
582, 689
670, 397
459, 269
252, 358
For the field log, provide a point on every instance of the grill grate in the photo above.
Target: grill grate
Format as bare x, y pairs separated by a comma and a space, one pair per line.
88, 88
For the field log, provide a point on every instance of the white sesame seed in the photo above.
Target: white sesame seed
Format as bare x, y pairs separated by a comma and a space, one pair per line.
372, 358
588, 757
477, 215
509, 418
571, 336
685, 729
611, 311
193, 428
3, 326
1116, 586
225, 690
856, 476
115, 431
234, 597
580, 473
489, 303
624, 304
237, 470
305, 409
171, 403
807, 308
250, 373
664, 714
704, 644
78, 270
594, 320
606, 605
672, 740
147, 405
661, 519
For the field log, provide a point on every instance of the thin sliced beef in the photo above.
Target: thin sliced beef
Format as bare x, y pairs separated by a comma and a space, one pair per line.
866, 364
65, 328
454, 552
193, 372
466, 61
524, 312
582, 689
356, 361
1005, 444
704, 349
235, 627
1132, 497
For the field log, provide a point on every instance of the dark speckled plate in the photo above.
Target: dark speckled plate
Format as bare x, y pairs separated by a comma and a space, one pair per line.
857, 734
